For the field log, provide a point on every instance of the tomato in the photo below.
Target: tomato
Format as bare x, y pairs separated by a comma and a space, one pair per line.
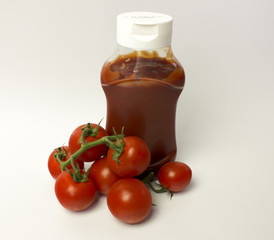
129, 200
133, 161
102, 176
92, 153
175, 176
74, 196
54, 166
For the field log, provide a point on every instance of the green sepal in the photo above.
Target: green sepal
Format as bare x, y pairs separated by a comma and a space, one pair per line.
77, 176
118, 147
60, 154
87, 130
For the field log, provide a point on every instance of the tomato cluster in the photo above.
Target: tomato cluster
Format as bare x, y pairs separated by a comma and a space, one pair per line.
117, 163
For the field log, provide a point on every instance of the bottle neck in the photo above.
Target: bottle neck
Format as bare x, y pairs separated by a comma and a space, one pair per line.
164, 52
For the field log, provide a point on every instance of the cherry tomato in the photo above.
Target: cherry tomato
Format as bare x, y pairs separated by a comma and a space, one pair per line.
54, 166
129, 200
175, 176
92, 153
74, 196
102, 176
133, 161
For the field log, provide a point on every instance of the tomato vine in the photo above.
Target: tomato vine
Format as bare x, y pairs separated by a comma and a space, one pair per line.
87, 130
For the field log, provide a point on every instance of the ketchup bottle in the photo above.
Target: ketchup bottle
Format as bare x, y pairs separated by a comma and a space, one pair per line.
142, 81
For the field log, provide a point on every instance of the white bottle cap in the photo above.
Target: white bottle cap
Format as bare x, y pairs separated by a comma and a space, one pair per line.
144, 30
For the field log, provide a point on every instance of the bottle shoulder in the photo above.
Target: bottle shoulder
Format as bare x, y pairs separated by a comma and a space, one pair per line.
145, 65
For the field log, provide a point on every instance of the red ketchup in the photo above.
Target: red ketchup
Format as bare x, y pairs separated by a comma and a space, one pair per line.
142, 87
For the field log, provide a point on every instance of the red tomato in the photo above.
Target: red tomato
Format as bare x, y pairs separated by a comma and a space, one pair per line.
133, 161
74, 196
129, 200
102, 176
175, 176
92, 153
54, 166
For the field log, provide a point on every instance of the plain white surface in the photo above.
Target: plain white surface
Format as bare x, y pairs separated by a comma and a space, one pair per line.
51, 53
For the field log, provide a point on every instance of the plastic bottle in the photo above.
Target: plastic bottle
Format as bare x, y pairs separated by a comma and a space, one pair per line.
142, 81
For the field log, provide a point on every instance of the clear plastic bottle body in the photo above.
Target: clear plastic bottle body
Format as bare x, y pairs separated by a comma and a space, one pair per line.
142, 88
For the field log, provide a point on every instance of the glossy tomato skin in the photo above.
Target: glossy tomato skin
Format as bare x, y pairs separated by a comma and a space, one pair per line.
102, 176
129, 200
175, 176
54, 166
74, 196
133, 161
92, 153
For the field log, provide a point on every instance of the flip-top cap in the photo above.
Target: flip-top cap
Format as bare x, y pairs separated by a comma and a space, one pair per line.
144, 30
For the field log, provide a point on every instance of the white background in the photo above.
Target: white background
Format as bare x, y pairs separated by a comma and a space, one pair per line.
51, 53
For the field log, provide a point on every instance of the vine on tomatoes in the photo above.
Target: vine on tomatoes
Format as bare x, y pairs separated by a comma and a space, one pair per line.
118, 162
53, 164
88, 133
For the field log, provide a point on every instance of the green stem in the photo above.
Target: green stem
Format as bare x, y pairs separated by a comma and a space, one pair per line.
148, 180
85, 146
